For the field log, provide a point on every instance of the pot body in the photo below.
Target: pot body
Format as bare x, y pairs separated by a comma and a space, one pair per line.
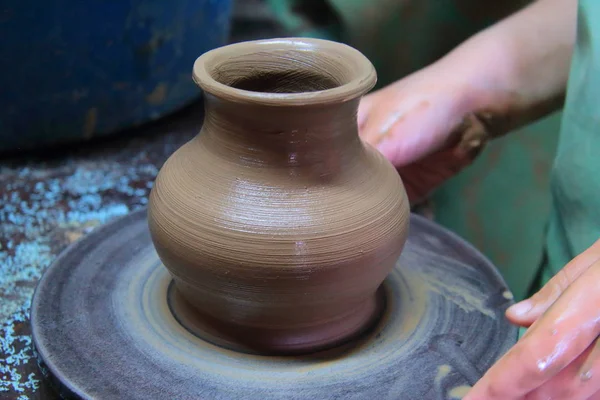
278, 224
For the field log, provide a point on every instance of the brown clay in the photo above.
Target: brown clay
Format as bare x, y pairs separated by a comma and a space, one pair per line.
276, 222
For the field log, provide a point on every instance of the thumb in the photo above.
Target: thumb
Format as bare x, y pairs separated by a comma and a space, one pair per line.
528, 311
364, 109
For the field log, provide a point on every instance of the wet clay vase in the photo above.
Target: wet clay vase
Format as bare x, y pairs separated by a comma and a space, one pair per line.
276, 222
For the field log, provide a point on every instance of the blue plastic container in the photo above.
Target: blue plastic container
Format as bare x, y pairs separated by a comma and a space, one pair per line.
74, 69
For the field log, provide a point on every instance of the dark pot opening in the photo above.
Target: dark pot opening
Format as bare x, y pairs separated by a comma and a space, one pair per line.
284, 82
282, 71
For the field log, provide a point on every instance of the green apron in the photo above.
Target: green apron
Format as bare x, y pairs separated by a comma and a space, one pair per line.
575, 181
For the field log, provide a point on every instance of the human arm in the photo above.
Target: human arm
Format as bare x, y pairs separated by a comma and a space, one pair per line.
519, 67
432, 123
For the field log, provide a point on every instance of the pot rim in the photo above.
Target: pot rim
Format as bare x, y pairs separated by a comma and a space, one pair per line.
363, 77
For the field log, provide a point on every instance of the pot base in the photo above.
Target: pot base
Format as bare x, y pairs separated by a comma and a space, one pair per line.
270, 342
103, 328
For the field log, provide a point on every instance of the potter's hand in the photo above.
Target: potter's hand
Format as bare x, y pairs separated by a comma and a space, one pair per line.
432, 123
559, 355
423, 127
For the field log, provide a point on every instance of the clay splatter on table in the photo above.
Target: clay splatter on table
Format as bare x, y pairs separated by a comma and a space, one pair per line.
459, 392
52, 198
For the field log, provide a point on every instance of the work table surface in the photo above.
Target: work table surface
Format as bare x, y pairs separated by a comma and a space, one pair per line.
49, 200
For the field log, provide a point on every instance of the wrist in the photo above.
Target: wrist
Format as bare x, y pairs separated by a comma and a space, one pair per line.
516, 71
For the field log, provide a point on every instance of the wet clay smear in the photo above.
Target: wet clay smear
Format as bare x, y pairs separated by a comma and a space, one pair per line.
459, 392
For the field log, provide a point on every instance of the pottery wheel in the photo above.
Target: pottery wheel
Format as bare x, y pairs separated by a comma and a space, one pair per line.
103, 327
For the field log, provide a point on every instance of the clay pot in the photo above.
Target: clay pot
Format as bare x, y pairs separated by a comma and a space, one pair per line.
276, 222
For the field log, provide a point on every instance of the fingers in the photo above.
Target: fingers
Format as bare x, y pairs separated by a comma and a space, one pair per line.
385, 109
527, 311
415, 116
407, 130
364, 108
559, 336
408, 135
417, 126
570, 383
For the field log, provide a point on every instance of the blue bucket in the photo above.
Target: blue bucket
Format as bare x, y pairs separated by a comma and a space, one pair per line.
72, 70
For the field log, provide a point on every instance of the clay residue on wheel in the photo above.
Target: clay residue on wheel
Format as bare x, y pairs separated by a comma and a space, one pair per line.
469, 298
442, 372
459, 392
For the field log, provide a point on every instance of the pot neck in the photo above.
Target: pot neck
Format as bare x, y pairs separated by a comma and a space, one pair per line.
322, 138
